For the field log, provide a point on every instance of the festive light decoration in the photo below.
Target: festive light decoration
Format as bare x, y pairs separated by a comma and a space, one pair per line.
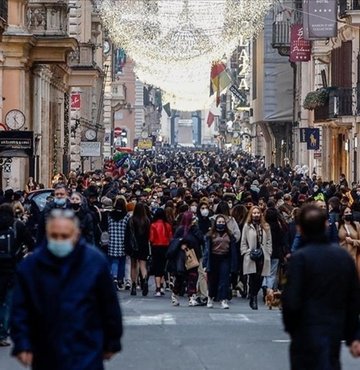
173, 42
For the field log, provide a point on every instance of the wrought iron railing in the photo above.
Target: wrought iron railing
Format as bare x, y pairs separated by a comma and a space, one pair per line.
340, 103
348, 5
4, 9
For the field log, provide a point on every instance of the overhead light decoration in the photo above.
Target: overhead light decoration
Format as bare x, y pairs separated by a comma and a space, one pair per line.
174, 42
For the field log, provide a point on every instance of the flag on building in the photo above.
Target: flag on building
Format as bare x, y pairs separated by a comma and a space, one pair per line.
210, 119
220, 80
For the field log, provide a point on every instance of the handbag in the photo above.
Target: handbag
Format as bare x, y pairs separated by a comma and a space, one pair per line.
256, 254
191, 260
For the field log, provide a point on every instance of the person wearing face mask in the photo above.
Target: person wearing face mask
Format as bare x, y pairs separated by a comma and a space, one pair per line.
64, 291
220, 260
256, 234
349, 235
79, 207
223, 209
60, 201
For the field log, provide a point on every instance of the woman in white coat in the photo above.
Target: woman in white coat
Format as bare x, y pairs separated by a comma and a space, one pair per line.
256, 236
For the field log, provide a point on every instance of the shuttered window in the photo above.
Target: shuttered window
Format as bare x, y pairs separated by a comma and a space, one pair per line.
341, 65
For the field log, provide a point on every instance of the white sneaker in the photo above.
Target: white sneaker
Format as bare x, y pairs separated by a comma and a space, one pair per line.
193, 301
175, 300
224, 304
210, 303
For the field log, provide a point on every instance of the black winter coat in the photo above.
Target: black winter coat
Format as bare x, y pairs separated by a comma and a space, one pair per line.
320, 303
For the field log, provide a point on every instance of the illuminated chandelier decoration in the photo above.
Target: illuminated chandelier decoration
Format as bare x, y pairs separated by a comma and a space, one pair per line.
174, 42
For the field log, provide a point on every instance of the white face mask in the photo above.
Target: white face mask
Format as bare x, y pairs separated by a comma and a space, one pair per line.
204, 212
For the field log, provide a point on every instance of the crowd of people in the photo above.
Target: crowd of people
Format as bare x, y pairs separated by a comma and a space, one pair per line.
207, 225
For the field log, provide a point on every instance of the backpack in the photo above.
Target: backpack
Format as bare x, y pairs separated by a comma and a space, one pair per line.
7, 243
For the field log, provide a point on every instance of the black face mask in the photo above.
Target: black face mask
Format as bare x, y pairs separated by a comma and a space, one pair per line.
256, 220
349, 217
75, 206
220, 227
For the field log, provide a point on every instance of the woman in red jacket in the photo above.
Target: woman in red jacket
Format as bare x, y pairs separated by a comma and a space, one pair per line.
160, 236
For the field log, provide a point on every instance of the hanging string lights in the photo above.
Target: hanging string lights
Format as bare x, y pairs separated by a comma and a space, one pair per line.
174, 42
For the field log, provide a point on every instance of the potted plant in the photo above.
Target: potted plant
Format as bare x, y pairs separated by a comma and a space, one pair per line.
315, 99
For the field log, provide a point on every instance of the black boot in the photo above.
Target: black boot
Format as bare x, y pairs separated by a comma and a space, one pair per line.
145, 288
133, 289
253, 303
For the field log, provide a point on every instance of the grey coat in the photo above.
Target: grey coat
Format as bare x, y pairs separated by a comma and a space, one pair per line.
248, 242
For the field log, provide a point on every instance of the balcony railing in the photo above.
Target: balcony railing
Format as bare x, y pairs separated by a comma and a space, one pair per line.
340, 103
4, 9
348, 5
48, 18
281, 37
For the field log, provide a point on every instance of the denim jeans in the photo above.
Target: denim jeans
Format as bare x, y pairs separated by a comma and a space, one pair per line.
117, 267
272, 281
219, 277
5, 304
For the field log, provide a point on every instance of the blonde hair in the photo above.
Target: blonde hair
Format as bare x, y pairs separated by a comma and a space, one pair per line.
263, 223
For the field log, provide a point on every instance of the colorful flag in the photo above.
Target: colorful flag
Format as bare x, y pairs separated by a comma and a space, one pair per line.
220, 80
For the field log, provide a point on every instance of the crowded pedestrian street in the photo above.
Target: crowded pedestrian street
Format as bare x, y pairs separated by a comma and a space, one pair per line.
179, 184
165, 338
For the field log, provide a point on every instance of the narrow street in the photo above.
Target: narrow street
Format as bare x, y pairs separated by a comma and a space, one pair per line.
161, 337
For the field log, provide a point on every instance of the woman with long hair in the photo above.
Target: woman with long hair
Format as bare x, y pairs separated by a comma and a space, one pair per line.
160, 236
224, 209
256, 236
220, 260
192, 238
116, 225
349, 235
137, 246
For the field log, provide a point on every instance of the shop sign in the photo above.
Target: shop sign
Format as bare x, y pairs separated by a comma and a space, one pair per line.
312, 136
90, 149
320, 19
317, 155
75, 101
145, 144
300, 49
17, 140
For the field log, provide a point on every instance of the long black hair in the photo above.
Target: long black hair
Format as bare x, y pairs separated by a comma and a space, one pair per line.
140, 218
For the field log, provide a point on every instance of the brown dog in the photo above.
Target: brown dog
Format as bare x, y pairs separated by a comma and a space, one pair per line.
273, 299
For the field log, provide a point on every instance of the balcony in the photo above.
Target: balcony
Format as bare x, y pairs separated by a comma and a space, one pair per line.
83, 57
350, 8
339, 104
3, 15
281, 37
48, 18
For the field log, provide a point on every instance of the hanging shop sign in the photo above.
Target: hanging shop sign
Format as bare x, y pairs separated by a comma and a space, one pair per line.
310, 136
17, 140
90, 149
300, 49
145, 144
75, 101
320, 19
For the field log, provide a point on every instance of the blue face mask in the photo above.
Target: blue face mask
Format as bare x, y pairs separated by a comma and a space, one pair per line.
60, 202
60, 248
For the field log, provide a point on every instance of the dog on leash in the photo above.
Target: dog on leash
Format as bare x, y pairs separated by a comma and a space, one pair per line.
273, 299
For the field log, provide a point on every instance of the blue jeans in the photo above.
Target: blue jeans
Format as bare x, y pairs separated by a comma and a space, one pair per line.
117, 267
271, 281
5, 304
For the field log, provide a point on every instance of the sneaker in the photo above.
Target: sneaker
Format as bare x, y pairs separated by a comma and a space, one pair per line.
162, 291
224, 304
175, 300
4, 343
157, 292
167, 287
210, 303
192, 301
120, 285
145, 289
127, 285
133, 289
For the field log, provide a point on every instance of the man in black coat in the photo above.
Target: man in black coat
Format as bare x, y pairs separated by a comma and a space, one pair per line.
321, 297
